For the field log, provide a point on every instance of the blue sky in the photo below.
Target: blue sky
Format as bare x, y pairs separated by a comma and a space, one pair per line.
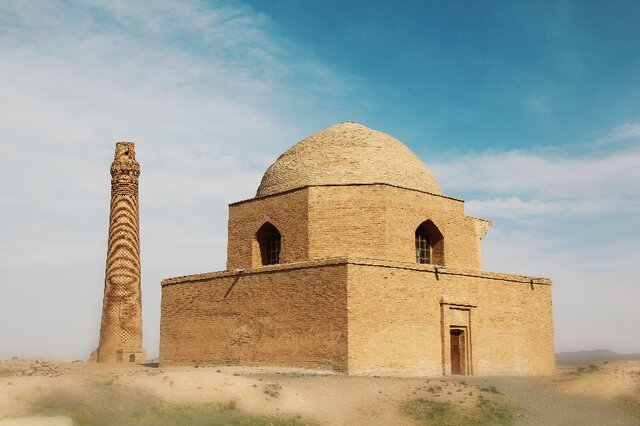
469, 74
530, 111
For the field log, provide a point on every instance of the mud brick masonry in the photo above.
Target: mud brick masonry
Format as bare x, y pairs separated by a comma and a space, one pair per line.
121, 327
350, 258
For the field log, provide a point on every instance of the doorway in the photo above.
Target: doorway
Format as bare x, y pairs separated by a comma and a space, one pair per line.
456, 334
458, 366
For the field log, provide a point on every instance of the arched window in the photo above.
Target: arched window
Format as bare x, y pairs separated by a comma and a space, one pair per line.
429, 244
423, 246
132, 358
269, 240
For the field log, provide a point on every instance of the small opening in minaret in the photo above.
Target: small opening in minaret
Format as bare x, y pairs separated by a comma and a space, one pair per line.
132, 358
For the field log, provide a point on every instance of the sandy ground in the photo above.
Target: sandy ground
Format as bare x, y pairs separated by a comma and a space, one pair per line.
590, 396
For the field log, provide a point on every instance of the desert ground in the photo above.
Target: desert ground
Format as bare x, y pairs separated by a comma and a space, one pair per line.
81, 393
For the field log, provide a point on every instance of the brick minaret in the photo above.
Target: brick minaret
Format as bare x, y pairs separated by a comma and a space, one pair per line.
121, 328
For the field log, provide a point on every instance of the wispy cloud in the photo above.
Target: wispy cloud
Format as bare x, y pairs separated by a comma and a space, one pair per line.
519, 184
203, 88
623, 132
516, 208
573, 218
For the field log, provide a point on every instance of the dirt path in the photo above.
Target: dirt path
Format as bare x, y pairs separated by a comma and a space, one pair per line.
545, 406
564, 399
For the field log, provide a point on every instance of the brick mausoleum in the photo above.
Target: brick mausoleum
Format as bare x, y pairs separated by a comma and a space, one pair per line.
350, 258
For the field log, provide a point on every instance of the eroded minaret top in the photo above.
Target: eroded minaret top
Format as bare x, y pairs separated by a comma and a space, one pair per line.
125, 169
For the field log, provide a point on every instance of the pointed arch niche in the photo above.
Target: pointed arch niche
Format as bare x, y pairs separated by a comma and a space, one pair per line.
269, 244
429, 244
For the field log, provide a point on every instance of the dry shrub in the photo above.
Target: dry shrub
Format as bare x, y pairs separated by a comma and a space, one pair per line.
436, 413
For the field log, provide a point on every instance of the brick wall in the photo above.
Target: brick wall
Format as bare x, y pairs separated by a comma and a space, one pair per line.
373, 221
349, 296
358, 316
287, 212
276, 315
379, 222
347, 221
406, 210
396, 321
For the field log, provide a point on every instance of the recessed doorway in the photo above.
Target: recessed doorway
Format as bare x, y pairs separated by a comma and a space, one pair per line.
458, 365
457, 338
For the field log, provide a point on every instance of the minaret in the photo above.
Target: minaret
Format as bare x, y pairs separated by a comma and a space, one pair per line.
121, 328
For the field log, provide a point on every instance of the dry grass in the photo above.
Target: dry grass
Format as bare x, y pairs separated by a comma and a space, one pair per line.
491, 389
592, 368
458, 404
94, 394
273, 390
110, 405
486, 412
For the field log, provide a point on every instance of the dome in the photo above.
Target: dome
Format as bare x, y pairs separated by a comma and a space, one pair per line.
347, 153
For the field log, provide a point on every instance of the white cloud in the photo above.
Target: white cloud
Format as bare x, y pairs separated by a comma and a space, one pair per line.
203, 91
513, 207
517, 209
517, 184
573, 218
595, 288
202, 88
623, 132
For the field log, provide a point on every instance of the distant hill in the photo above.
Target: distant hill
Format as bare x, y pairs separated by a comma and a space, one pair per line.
597, 355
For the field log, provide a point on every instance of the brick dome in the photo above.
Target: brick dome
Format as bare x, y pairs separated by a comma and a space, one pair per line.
347, 153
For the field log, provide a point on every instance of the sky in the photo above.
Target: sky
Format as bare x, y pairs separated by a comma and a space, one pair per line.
529, 111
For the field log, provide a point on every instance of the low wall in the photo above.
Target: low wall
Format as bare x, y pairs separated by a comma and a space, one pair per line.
362, 317
281, 315
400, 319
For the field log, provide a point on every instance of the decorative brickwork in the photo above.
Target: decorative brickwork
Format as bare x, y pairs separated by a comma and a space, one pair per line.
350, 291
121, 328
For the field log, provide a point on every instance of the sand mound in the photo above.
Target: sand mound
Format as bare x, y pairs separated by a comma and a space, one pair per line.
41, 368
606, 380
